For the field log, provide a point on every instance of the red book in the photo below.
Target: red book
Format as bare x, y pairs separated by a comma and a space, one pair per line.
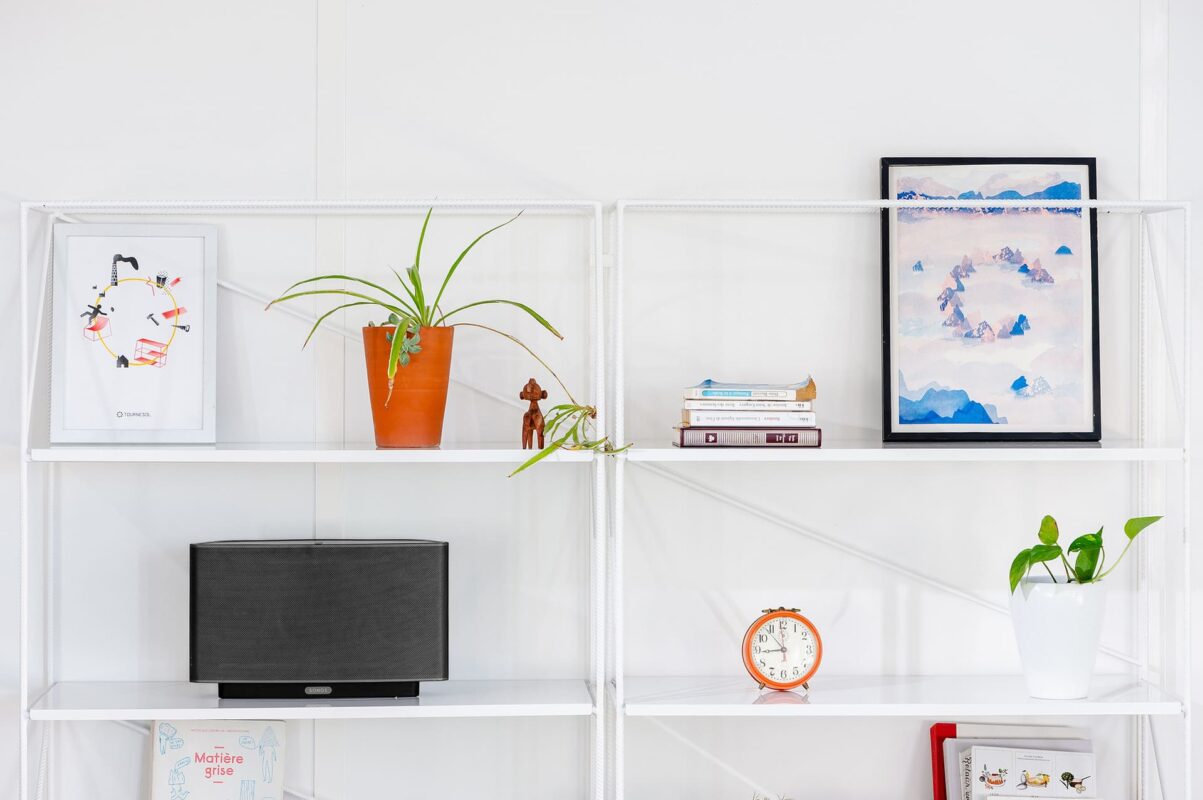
748, 437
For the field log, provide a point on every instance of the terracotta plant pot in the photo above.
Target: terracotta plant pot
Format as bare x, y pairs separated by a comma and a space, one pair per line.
414, 414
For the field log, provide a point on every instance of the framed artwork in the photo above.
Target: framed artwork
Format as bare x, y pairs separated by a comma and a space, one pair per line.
133, 336
990, 326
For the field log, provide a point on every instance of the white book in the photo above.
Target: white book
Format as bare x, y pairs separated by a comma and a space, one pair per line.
749, 419
750, 405
1032, 772
217, 760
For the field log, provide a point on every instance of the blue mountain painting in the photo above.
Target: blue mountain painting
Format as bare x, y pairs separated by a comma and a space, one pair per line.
942, 407
1064, 250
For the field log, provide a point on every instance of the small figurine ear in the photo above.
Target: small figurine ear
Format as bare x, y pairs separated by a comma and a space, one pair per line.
544, 397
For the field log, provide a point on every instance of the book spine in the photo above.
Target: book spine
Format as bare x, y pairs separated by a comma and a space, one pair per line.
749, 437
749, 405
749, 419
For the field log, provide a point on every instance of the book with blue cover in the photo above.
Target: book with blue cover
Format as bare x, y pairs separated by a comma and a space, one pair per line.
712, 389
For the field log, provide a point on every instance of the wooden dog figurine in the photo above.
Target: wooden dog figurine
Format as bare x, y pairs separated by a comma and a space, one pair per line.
532, 420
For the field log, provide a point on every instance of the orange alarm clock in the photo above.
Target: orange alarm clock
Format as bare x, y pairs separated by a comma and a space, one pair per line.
782, 649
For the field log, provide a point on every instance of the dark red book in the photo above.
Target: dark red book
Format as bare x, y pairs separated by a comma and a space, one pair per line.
748, 437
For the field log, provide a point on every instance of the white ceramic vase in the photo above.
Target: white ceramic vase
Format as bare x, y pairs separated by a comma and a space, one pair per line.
1057, 628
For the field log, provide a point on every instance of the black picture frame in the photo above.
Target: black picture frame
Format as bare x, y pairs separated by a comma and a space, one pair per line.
889, 433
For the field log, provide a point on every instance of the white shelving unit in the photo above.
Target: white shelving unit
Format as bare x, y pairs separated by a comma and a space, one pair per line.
1148, 693
45, 700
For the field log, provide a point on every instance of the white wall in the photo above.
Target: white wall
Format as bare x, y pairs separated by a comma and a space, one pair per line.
602, 100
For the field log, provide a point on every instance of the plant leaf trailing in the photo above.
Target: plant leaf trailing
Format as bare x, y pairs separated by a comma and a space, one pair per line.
1091, 555
570, 425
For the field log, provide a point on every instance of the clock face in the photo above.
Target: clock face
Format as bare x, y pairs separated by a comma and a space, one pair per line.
782, 649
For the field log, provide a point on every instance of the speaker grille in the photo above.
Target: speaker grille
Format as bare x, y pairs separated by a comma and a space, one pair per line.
319, 610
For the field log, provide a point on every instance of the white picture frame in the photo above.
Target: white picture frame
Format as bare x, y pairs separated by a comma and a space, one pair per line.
133, 358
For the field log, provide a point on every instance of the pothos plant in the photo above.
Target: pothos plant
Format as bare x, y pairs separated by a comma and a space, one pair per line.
1089, 554
409, 309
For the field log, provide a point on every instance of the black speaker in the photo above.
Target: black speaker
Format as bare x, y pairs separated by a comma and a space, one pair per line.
318, 618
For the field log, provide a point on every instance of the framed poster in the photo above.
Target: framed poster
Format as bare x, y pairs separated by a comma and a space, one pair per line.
133, 334
990, 326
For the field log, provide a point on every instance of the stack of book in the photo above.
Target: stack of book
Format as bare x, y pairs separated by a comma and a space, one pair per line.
975, 761
749, 415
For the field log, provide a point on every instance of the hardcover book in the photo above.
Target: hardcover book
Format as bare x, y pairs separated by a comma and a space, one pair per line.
217, 760
802, 390
748, 419
748, 437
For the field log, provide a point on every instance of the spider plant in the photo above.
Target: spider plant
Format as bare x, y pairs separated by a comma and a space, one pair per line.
409, 306
409, 309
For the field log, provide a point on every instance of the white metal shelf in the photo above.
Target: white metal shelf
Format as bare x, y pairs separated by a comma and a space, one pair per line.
853, 450
876, 696
302, 453
148, 700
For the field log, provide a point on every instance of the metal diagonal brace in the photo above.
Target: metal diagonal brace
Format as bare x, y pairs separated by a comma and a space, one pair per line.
844, 547
711, 757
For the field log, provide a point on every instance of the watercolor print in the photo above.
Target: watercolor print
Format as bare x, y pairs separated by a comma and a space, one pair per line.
131, 323
992, 329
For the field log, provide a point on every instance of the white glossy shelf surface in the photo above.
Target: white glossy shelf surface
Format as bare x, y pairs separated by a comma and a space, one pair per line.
883, 696
143, 700
870, 450
303, 453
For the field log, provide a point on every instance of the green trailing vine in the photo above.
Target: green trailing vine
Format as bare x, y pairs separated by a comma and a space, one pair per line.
1090, 555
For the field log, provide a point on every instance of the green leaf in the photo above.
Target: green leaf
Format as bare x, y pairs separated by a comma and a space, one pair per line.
1137, 524
422, 238
344, 292
454, 266
1044, 552
416, 279
377, 287
408, 291
394, 355
538, 317
542, 454
1086, 563
1019, 568
1048, 530
323, 317
1087, 541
